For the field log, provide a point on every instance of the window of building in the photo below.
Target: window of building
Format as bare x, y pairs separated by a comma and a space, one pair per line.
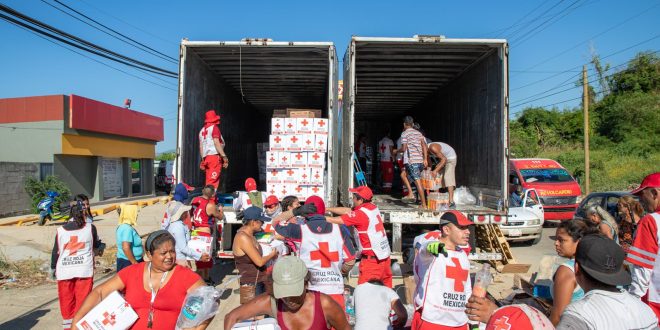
45, 169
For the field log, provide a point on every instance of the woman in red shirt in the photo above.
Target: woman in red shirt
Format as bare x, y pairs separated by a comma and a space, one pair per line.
161, 276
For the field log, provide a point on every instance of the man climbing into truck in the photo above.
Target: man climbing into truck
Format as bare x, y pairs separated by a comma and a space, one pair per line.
212, 149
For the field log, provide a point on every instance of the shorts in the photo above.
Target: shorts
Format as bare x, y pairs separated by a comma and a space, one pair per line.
415, 171
449, 173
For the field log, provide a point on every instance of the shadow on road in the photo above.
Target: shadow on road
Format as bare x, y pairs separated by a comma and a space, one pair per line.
26, 321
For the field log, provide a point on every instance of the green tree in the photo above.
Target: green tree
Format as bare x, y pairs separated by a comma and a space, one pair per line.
641, 75
166, 156
37, 189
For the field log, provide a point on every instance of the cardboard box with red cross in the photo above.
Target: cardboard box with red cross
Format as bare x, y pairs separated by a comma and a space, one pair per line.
272, 159
277, 142
284, 160
274, 176
316, 191
320, 142
298, 159
320, 126
316, 159
112, 313
277, 126
291, 175
304, 125
294, 142
305, 176
309, 142
290, 125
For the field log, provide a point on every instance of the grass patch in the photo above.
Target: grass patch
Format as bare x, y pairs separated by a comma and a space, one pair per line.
21, 274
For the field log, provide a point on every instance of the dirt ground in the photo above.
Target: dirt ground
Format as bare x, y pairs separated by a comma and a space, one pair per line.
37, 307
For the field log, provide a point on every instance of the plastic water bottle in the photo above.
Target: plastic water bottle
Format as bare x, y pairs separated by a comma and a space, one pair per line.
481, 282
481, 198
350, 308
190, 310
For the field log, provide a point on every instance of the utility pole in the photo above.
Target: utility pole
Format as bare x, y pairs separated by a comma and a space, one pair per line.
585, 107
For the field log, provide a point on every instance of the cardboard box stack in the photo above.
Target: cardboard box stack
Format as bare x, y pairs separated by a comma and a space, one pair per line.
295, 163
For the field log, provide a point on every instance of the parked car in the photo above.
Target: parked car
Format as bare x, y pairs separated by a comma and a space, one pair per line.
606, 199
525, 220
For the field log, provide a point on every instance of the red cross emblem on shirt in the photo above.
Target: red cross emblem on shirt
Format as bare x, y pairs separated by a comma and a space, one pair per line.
502, 323
294, 139
458, 274
321, 123
109, 319
432, 234
316, 156
277, 139
379, 226
324, 255
382, 148
304, 122
73, 245
298, 156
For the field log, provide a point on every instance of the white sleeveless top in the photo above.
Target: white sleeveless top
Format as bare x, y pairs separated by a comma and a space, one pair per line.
447, 150
76, 253
324, 255
378, 239
206, 141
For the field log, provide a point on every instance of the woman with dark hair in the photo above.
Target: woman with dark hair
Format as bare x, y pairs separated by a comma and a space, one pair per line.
85, 202
630, 212
72, 260
564, 288
288, 204
156, 290
248, 255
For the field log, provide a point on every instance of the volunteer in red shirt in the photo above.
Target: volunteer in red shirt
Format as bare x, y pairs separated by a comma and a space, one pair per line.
366, 218
442, 273
212, 149
643, 254
205, 217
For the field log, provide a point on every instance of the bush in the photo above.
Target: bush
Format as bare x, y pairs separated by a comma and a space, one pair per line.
37, 191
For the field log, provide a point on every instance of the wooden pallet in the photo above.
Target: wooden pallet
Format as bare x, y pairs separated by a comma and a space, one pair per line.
491, 239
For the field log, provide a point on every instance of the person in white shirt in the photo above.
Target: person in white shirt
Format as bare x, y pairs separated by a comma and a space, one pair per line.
442, 274
443, 158
385, 150
373, 304
598, 270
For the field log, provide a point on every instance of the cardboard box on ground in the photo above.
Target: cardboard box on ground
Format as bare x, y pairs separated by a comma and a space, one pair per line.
295, 162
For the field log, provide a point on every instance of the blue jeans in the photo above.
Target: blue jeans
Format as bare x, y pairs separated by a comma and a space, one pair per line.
415, 171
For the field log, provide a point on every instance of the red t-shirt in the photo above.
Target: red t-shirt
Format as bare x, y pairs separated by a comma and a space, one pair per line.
645, 246
360, 220
169, 300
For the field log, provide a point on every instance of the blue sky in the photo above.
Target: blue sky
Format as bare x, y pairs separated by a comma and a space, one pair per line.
34, 66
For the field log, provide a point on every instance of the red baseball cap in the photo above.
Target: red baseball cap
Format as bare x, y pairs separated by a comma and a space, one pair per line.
318, 202
518, 317
363, 191
455, 217
210, 117
250, 185
650, 181
271, 200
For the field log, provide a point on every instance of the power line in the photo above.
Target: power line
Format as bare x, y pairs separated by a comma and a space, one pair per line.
578, 66
93, 59
81, 43
124, 38
564, 12
129, 24
514, 33
592, 37
520, 20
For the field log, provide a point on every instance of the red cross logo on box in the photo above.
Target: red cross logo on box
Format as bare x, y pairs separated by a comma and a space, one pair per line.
299, 156
294, 139
324, 255
277, 139
458, 274
321, 123
273, 172
272, 159
304, 122
432, 235
284, 191
316, 156
315, 189
73, 245
290, 125
109, 318
304, 176
299, 189
284, 159
290, 172
277, 125
308, 141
